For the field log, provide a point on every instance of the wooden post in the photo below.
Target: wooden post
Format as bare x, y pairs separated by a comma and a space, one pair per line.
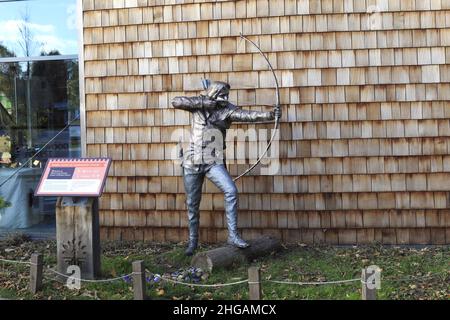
368, 289
36, 273
254, 283
139, 280
78, 235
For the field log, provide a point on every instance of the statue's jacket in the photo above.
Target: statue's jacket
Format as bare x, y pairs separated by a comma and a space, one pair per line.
209, 122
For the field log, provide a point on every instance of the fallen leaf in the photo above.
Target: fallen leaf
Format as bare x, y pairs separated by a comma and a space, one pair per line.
160, 292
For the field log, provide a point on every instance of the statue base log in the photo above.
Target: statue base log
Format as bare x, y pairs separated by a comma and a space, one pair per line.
224, 257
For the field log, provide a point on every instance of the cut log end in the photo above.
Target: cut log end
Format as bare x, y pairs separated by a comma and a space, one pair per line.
202, 261
224, 257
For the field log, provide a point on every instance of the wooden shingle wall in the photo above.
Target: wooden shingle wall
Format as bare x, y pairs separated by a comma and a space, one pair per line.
365, 133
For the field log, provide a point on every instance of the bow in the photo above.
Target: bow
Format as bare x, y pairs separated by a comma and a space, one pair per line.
277, 105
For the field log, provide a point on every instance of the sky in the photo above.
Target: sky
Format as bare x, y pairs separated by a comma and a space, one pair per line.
52, 23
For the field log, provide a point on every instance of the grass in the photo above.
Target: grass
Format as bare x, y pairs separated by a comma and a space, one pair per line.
429, 266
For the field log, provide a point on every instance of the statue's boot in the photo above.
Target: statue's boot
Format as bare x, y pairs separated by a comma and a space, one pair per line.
192, 246
231, 206
235, 240
233, 236
193, 237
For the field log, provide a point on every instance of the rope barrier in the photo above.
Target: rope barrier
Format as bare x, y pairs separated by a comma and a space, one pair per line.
64, 275
314, 283
89, 280
218, 285
16, 261
50, 276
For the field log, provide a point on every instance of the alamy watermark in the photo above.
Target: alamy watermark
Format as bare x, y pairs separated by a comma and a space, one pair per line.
375, 19
74, 280
373, 281
239, 146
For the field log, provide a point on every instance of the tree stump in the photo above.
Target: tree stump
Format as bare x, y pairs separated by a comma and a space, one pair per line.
224, 257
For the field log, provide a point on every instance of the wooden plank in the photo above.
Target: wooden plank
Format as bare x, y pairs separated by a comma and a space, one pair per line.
139, 287
36, 274
420, 236
254, 283
368, 292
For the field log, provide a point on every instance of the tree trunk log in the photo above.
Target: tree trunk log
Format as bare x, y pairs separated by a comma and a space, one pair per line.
224, 257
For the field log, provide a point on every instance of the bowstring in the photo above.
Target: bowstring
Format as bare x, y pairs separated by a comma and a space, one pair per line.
277, 120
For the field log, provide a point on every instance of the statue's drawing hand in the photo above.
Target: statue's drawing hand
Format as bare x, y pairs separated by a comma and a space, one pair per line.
209, 103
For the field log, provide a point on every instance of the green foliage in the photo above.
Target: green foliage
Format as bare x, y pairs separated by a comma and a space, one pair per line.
8, 71
4, 204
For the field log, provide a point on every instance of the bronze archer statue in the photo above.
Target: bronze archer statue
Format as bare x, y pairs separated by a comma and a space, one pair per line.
212, 115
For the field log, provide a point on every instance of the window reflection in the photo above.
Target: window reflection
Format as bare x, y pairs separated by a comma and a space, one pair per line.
39, 96
33, 109
28, 28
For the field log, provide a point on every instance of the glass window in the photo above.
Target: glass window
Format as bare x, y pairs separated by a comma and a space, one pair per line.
28, 28
39, 97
